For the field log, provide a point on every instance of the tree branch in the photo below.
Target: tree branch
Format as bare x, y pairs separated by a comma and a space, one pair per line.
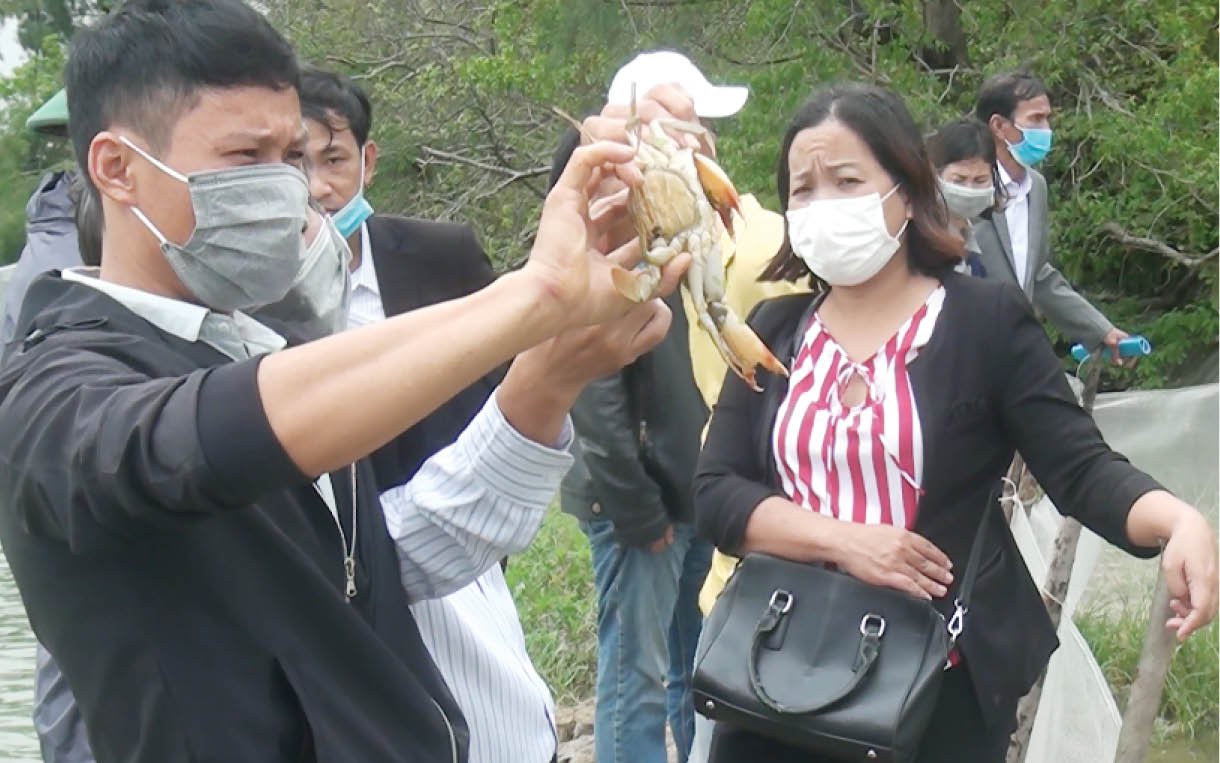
1116, 232
743, 62
510, 175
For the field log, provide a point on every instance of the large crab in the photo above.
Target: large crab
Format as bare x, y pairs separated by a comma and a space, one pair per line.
674, 210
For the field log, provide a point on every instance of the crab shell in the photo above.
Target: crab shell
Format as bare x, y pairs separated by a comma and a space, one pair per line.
667, 202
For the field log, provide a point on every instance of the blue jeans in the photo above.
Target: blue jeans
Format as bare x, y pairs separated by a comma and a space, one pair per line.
648, 624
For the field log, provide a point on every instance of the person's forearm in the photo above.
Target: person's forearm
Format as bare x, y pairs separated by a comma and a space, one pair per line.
779, 527
1155, 514
534, 401
333, 401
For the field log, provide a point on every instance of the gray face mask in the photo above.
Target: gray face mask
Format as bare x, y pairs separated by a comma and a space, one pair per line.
317, 303
964, 201
246, 249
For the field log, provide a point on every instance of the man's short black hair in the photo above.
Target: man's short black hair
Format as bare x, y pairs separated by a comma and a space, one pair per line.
1001, 94
147, 61
326, 95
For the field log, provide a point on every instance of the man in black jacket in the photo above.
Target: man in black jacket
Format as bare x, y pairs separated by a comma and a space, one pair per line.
638, 437
184, 510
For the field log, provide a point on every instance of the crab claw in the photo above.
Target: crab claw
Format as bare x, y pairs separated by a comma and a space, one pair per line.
718, 189
639, 285
741, 347
746, 345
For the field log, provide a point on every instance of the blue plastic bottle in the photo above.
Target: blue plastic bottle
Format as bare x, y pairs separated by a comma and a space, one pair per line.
1132, 347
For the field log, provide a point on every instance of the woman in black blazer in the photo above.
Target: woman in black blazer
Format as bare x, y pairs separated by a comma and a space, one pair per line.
984, 382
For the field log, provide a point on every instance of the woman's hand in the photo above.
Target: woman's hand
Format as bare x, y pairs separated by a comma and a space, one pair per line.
890, 556
1188, 556
877, 554
1189, 562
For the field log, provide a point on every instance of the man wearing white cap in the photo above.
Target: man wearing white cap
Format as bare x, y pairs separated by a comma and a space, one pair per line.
638, 438
667, 67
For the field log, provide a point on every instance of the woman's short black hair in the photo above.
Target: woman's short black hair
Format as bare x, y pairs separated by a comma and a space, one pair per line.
962, 140
143, 63
880, 119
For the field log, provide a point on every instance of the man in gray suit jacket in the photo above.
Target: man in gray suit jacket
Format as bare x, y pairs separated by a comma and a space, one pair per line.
1015, 240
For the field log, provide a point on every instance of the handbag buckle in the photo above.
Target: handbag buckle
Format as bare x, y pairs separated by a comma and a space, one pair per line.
875, 620
955, 622
781, 602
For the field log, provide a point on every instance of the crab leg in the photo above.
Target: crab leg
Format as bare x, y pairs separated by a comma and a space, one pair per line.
736, 342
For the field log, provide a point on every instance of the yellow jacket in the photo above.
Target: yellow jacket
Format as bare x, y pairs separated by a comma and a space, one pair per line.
758, 239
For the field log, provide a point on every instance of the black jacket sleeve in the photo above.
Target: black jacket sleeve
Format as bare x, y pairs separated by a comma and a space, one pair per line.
610, 449
730, 482
93, 451
1058, 439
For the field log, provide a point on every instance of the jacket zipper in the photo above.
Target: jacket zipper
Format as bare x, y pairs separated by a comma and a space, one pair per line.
350, 592
348, 554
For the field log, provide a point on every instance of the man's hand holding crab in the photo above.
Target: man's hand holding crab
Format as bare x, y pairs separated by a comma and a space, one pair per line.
673, 211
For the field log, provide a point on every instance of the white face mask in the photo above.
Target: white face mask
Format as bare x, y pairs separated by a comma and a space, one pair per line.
844, 242
966, 202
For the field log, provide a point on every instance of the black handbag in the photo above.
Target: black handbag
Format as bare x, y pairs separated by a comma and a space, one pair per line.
822, 661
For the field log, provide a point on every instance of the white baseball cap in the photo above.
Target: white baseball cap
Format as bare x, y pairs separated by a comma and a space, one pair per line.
661, 67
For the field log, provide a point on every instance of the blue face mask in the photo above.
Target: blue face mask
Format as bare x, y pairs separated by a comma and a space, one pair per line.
1035, 144
353, 214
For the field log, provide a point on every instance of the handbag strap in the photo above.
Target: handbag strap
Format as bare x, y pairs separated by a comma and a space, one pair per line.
872, 628
961, 605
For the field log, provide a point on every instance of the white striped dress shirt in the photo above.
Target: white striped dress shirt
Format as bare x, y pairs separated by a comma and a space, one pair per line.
471, 504
475, 637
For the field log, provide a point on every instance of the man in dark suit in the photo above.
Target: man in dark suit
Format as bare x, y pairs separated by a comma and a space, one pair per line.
398, 263
1014, 241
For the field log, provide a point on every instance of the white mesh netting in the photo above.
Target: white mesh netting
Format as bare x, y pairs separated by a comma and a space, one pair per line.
1172, 435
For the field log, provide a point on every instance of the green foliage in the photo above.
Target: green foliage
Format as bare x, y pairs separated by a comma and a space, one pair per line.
1189, 706
553, 585
24, 156
463, 92
39, 19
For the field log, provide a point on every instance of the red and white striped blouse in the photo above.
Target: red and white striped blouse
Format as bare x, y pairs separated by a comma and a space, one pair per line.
860, 463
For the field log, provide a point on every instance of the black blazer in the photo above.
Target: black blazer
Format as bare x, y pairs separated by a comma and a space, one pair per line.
986, 383
420, 263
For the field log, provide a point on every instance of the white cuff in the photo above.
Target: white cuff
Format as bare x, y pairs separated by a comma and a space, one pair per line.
511, 464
